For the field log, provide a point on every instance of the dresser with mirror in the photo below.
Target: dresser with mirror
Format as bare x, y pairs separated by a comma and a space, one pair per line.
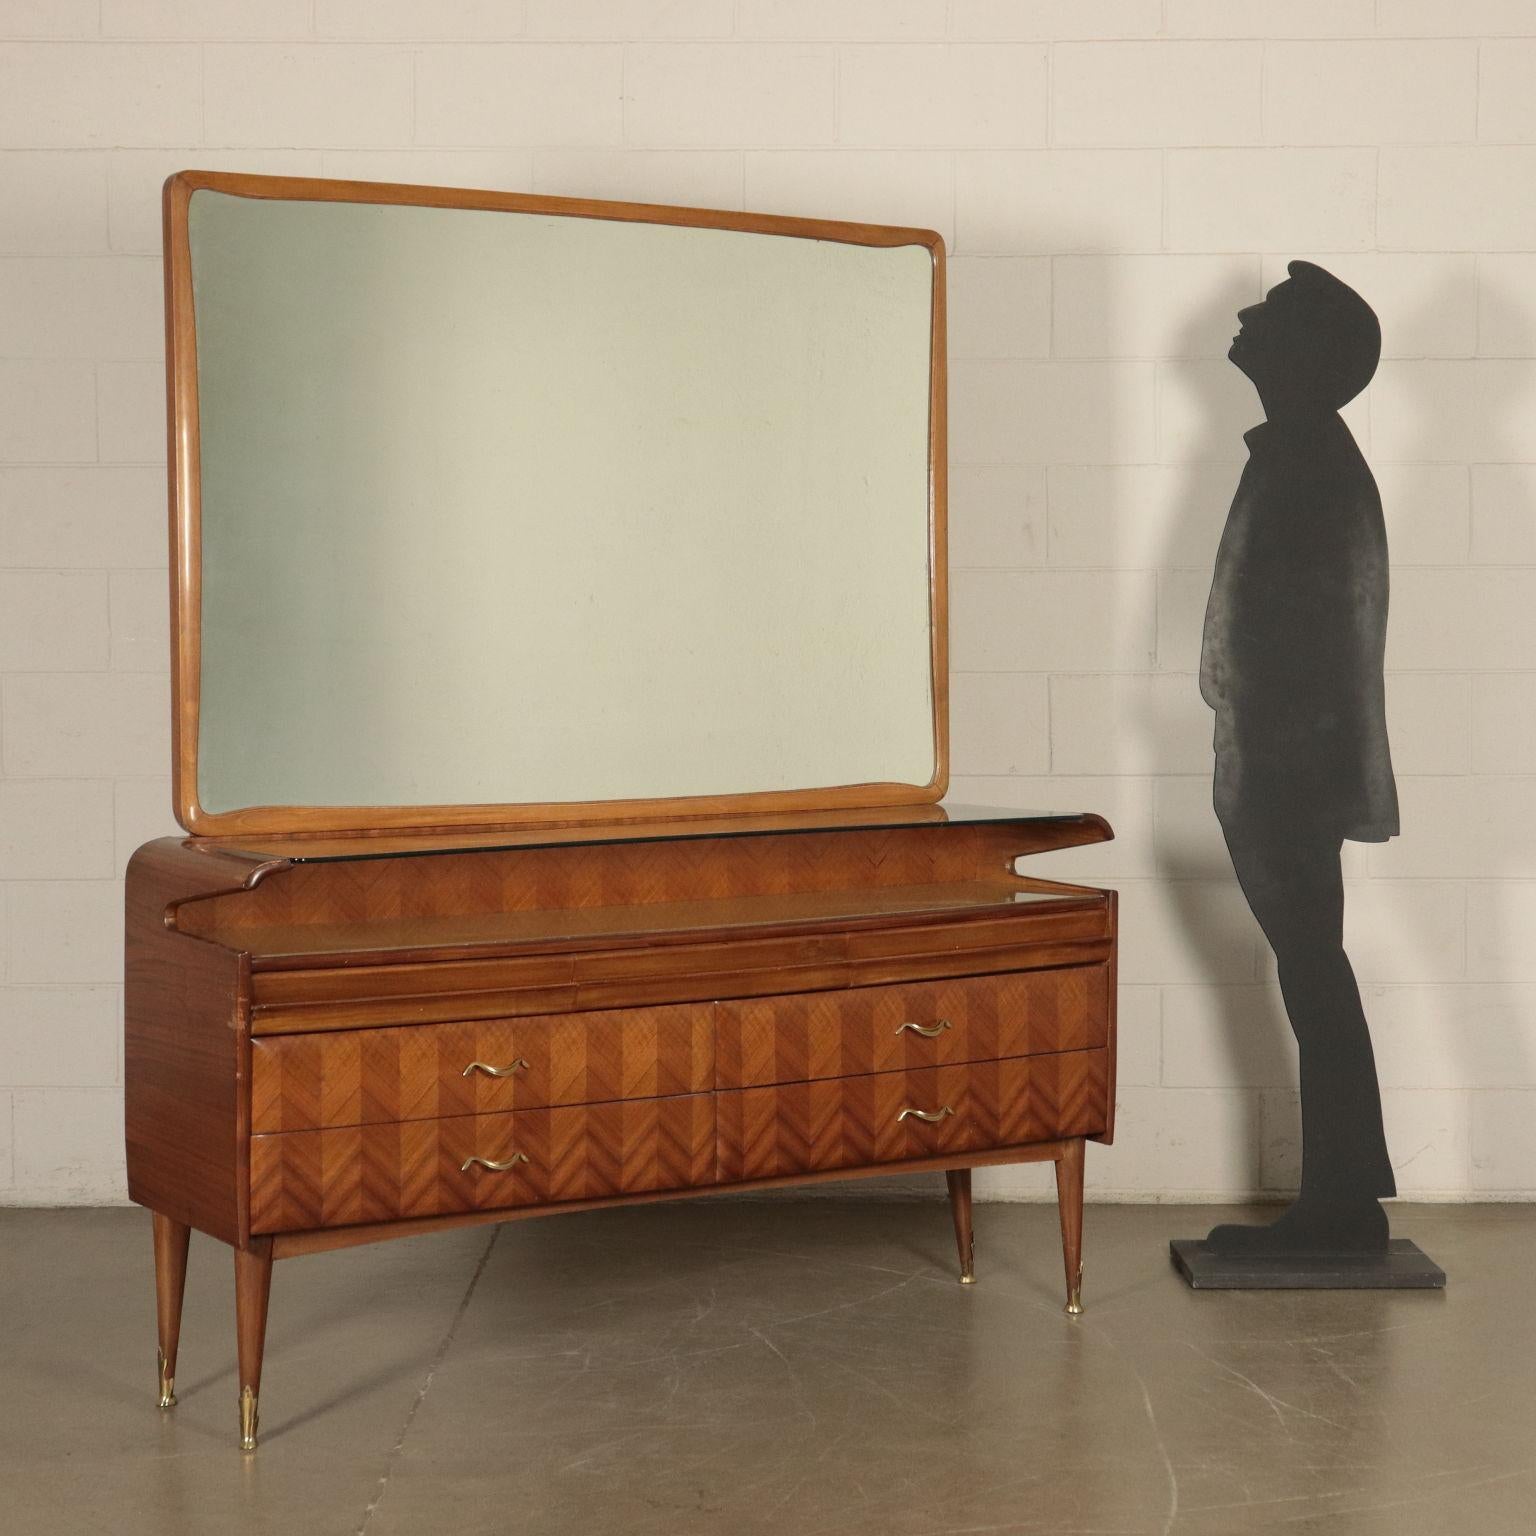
559, 676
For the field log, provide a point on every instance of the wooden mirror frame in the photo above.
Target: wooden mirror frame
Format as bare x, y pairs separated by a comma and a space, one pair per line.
186, 534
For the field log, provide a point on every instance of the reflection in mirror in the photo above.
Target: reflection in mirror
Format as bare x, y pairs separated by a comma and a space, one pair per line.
510, 507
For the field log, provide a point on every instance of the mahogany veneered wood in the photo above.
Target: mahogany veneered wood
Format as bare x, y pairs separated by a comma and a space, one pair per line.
884, 1117
288, 1245
849, 1032
731, 1013
1069, 1190
171, 1241
384, 1172
645, 890
959, 1182
362, 1077
253, 1289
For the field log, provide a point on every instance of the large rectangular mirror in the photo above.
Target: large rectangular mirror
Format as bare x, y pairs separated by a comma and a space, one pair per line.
493, 508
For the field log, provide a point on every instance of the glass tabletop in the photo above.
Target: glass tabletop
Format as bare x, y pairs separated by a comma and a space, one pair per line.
332, 848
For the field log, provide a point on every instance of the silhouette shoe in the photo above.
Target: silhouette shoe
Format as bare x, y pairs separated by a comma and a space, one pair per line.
1308, 1227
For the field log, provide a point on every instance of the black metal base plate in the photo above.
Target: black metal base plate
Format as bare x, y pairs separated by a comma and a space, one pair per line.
1403, 1267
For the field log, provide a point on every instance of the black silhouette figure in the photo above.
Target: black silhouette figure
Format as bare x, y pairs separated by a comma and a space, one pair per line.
1292, 665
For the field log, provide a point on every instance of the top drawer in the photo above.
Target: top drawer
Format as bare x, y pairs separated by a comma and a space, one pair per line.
426, 1071
921, 1024
851, 944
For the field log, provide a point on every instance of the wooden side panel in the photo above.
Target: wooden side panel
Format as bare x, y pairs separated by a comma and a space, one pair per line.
185, 1050
848, 1122
1107, 1135
363, 1077
301, 1180
843, 1033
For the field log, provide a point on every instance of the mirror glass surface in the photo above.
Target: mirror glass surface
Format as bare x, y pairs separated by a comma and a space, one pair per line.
510, 507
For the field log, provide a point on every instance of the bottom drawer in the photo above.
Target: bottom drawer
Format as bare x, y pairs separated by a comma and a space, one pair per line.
301, 1180
854, 1122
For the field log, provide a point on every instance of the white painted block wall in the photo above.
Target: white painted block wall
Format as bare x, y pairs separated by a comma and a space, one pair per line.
1114, 177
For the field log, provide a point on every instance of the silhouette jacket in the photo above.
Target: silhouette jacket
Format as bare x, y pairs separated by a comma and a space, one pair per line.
1295, 635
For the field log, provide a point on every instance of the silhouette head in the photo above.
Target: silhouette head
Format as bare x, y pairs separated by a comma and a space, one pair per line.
1311, 345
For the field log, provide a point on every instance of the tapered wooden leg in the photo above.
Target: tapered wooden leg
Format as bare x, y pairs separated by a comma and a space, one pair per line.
1069, 1198
959, 1180
253, 1284
171, 1239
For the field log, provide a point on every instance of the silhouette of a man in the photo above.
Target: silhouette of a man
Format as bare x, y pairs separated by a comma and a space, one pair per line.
1292, 665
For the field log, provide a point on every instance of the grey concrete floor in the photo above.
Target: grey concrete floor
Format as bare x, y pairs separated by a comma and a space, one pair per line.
805, 1366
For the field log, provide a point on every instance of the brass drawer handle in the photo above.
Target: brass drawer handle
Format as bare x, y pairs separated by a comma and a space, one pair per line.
490, 1071
927, 1031
928, 1116
485, 1162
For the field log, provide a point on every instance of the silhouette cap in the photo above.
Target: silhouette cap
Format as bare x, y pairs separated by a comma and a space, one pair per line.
1345, 335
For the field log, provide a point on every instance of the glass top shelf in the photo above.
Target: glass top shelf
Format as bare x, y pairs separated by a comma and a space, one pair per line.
329, 848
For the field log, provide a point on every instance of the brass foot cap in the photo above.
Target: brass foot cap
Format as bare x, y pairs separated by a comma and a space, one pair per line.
167, 1397
967, 1279
167, 1385
247, 1419
1075, 1295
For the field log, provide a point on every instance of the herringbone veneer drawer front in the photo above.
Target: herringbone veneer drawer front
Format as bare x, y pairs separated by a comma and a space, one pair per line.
918, 1024
853, 1122
302, 1180
424, 1071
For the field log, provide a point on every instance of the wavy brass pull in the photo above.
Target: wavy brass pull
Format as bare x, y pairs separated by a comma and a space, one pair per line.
927, 1031
485, 1162
490, 1071
928, 1116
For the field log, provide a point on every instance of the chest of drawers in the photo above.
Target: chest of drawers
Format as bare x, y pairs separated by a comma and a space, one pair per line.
331, 1043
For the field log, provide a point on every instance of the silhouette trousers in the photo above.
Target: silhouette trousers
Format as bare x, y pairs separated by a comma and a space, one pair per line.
1290, 873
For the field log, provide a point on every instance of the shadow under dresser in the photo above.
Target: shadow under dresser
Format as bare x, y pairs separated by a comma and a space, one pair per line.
335, 1041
